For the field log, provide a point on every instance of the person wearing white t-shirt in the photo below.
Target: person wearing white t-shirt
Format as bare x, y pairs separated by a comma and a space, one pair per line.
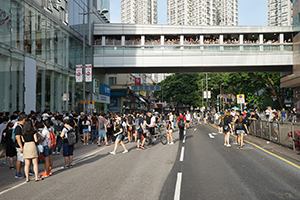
171, 119
44, 136
188, 119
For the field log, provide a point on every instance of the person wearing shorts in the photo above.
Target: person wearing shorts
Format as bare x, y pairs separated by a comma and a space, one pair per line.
118, 129
67, 149
141, 132
19, 145
44, 136
102, 129
241, 128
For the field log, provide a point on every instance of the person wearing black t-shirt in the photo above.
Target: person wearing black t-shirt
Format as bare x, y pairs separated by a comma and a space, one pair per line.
227, 128
19, 145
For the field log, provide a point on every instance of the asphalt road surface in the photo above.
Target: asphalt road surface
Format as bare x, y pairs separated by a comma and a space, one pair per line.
209, 170
200, 168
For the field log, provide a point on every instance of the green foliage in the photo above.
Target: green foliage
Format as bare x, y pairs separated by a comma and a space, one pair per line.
261, 89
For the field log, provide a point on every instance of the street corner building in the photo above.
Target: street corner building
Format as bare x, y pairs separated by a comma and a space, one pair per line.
41, 42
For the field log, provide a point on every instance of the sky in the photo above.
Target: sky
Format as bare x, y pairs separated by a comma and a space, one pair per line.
251, 12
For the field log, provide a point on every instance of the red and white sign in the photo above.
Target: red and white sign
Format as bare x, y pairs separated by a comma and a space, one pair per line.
78, 73
88, 73
137, 81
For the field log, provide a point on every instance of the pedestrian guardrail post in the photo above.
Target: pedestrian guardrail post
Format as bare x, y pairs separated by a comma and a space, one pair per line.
270, 131
254, 122
260, 125
293, 136
279, 132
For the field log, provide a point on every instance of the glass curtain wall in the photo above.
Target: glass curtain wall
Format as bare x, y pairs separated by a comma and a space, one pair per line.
26, 32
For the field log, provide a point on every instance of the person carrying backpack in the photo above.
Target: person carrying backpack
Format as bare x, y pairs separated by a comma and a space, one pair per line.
241, 127
69, 139
180, 124
58, 125
47, 152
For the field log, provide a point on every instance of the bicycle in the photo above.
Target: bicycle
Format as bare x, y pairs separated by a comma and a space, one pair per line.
158, 136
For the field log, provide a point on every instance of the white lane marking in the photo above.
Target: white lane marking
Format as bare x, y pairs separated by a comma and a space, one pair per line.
184, 139
78, 159
16, 186
215, 133
12, 188
211, 136
184, 132
182, 154
178, 186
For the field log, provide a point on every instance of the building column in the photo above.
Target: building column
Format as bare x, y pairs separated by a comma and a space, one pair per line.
261, 42
59, 93
123, 40
103, 40
181, 39
33, 39
52, 97
221, 39
142, 40
43, 90
201, 39
162, 40
241, 40
73, 94
67, 92
281, 41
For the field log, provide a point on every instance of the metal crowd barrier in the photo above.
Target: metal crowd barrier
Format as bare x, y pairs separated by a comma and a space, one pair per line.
287, 134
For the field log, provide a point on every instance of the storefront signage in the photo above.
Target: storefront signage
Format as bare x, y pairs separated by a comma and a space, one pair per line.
104, 89
78, 73
114, 102
96, 86
147, 88
88, 73
101, 98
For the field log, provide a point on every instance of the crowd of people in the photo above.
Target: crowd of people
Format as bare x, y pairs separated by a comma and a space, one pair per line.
37, 136
187, 41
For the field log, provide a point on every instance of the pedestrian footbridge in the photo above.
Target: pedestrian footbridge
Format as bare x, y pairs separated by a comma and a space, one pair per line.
127, 48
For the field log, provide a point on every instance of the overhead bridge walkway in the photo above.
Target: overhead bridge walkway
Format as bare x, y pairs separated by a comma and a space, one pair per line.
124, 48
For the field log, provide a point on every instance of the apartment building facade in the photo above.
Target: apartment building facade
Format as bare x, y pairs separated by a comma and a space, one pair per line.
202, 12
139, 11
280, 13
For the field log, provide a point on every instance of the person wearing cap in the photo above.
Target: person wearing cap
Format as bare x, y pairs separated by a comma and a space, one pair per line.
118, 130
294, 115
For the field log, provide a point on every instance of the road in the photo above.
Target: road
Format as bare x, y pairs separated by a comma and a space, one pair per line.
209, 170
206, 168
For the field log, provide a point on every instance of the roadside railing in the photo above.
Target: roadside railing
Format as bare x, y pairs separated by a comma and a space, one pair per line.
287, 134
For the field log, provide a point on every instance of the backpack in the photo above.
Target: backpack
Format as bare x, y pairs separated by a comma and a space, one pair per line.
71, 136
239, 125
180, 122
13, 135
58, 126
51, 140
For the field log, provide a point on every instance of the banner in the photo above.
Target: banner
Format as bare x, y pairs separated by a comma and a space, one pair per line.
137, 81
88, 73
78, 73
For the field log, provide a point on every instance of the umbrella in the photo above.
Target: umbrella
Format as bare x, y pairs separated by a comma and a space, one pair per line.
235, 108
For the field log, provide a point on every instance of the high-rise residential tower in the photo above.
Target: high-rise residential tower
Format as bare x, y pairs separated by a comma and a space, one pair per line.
203, 12
280, 13
139, 11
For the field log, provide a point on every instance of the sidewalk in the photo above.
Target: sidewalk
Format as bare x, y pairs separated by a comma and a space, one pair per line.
273, 147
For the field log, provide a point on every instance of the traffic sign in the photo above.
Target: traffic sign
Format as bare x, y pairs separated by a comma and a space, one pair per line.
240, 98
91, 103
90, 107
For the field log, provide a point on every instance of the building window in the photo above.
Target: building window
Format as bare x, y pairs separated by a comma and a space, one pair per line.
112, 80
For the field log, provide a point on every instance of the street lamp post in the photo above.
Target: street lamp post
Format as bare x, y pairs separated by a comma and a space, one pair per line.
202, 91
83, 49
